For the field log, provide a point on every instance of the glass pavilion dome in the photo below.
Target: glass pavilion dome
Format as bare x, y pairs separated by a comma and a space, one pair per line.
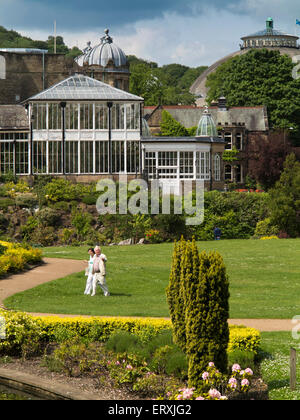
206, 126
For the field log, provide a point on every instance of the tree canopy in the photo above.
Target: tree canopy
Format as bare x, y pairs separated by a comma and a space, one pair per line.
12, 39
260, 77
166, 85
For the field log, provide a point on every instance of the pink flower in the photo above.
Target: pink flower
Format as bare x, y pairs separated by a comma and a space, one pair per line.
213, 393
129, 367
188, 393
236, 368
205, 376
249, 371
200, 398
233, 383
211, 364
245, 382
118, 363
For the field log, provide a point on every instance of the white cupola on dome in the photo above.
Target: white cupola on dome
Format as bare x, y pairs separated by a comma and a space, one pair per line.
106, 52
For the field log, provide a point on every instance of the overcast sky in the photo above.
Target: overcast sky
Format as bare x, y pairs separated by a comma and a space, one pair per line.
190, 32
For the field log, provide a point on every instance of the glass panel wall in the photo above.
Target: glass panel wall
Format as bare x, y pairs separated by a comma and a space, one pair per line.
86, 157
39, 157
133, 156
55, 157
101, 150
54, 118
118, 157
71, 157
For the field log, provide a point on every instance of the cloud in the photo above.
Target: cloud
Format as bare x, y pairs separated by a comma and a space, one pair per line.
165, 31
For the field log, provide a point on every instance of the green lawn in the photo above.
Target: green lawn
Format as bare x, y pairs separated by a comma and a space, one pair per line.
264, 281
275, 369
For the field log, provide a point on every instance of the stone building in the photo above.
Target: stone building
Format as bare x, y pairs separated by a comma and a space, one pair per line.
268, 38
26, 72
237, 126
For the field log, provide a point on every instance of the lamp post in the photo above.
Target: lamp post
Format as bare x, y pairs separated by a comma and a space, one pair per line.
63, 107
31, 144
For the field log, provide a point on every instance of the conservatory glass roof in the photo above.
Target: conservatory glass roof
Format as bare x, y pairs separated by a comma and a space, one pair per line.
80, 87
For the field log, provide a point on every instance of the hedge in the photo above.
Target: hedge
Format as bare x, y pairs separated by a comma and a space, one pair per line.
21, 327
14, 258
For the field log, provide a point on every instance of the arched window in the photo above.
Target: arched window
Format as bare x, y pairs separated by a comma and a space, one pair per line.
2, 67
217, 168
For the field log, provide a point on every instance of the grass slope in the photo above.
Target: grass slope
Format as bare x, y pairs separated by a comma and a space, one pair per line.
264, 281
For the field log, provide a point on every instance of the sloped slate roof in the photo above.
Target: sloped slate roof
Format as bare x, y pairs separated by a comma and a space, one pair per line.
13, 117
81, 87
254, 118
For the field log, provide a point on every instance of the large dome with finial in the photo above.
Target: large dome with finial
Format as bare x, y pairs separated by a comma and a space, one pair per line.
104, 53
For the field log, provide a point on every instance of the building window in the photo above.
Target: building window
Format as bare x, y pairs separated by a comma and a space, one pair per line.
239, 141
167, 159
238, 174
86, 157
40, 157
228, 173
186, 165
71, 157
101, 117
22, 157
39, 112
71, 117
6, 157
203, 165
54, 116
101, 161
117, 117
86, 117
228, 140
133, 156
150, 164
118, 158
217, 168
55, 157
132, 116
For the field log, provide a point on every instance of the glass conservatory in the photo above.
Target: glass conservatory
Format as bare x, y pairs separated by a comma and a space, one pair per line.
84, 126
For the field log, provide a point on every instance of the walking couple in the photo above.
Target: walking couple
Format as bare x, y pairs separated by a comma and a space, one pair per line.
96, 272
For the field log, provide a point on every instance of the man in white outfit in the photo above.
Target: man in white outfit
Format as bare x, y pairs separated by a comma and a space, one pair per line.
89, 273
99, 272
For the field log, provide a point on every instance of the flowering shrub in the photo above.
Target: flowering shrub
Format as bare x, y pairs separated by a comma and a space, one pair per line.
15, 258
269, 237
216, 385
153, 236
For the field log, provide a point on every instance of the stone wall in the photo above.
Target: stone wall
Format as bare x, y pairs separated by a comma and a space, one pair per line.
27, 75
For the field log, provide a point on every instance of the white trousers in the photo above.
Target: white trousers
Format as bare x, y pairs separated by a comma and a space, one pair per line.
101, 280
89, 284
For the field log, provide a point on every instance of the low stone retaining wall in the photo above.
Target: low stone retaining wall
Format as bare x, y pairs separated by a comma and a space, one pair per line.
37, 388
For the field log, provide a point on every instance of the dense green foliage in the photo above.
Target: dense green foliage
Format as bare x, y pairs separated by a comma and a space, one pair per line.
285, 199
198, 301
12, 39
166, 85
260, 77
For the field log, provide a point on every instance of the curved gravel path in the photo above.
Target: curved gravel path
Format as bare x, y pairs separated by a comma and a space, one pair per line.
54, 268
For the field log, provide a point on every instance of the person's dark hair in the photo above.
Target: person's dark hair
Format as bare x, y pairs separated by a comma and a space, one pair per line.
91, 249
